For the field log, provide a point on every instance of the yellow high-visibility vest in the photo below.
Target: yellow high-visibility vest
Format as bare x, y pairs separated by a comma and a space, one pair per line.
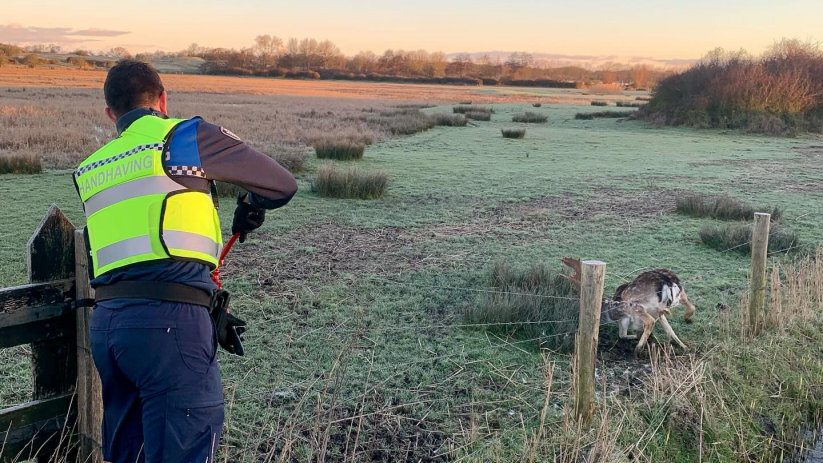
135, 212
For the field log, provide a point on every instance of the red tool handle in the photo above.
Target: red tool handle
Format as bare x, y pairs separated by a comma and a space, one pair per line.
215, 274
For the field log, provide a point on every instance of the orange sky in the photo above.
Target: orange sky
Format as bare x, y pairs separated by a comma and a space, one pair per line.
659, 29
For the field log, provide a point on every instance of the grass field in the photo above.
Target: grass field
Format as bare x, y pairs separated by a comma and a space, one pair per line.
356, 349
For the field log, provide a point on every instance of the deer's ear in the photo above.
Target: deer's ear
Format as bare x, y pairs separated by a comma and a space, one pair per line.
574, 264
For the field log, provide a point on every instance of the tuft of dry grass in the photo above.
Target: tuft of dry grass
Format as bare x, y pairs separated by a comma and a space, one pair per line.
449, 120
603, 114
530, 117
478, 116
463, 109
351, 182
569, 441
513, 133
339, 150
795, 291
723, 207
20, 164
293, 160
738, 236
402, 121
531, 302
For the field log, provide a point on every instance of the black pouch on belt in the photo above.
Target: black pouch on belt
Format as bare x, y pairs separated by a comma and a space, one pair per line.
229, 328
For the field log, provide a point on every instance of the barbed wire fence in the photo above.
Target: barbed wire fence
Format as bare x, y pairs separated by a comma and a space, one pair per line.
370, 334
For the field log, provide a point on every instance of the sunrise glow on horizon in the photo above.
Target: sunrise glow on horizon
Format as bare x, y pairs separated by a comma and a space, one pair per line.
661, 30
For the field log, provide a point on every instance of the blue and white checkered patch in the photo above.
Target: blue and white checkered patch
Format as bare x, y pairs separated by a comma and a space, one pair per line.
103, 162
187, 171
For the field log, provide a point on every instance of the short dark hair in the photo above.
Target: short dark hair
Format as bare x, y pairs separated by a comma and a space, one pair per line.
131, 84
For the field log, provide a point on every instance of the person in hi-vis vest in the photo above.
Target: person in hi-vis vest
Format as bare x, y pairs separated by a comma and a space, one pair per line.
153, 238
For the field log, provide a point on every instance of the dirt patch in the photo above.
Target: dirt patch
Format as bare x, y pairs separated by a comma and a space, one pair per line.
320, 254
736, 162
379, 437
813, 151
606, 202
815, 186
506, 219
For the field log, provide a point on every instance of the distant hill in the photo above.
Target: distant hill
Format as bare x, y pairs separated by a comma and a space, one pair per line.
584, 61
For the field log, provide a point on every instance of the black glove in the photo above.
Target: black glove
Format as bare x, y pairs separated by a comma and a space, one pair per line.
246, 217
228, 327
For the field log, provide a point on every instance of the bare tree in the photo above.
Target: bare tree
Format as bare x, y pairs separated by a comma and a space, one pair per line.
436, 65
462, 63
307, 52
365, 61
119, 53
640, 76
329, 55
268, 48
192, 50
293, 47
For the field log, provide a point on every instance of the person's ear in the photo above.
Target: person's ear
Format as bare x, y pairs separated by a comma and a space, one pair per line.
111, 115
161, 103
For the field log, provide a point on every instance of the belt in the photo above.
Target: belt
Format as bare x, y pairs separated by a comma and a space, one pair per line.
164, 291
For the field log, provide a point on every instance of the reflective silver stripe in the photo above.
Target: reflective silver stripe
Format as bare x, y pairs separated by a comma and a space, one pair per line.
137, 187
123, 249
191, 242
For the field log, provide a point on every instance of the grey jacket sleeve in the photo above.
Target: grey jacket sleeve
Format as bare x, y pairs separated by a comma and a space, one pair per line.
226, 158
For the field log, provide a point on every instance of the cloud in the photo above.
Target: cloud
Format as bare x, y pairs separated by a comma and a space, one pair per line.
95, 32
15, 33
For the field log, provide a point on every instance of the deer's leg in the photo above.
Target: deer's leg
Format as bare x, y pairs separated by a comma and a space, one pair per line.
623, 328
670, 332
648, 326
690, 309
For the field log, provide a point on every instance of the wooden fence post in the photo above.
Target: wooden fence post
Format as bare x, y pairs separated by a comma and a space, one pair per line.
757, 282
593, 276
50, 253
89, 389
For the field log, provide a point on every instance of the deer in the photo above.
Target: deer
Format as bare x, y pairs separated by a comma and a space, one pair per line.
639, 304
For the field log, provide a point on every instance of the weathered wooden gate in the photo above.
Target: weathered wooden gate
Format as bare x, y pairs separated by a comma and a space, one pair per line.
62, 422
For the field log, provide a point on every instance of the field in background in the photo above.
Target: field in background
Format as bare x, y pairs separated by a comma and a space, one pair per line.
76, 78
355, 347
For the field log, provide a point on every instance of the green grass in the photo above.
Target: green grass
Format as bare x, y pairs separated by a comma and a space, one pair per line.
345, 296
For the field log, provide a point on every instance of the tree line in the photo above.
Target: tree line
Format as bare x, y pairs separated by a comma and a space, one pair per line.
311, 58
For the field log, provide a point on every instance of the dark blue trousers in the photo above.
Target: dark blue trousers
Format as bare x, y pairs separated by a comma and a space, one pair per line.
162, 396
